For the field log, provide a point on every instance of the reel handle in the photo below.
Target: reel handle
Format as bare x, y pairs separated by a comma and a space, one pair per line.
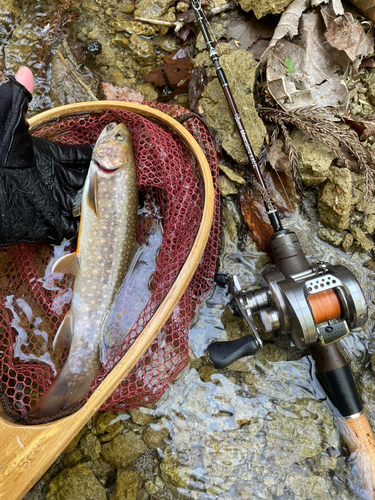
223, 354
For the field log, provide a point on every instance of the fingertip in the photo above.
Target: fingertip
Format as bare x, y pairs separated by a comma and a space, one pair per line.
26, 78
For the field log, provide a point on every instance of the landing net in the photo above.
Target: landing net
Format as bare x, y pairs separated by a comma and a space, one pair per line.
33, 301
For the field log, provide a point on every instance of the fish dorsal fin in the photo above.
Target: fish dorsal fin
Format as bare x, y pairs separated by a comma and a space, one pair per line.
92, 198
64, 334
67, 264
77, 201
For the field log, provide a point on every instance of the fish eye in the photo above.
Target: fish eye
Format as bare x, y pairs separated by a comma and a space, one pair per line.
120, 136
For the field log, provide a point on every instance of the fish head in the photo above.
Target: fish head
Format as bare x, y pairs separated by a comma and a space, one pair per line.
113, 149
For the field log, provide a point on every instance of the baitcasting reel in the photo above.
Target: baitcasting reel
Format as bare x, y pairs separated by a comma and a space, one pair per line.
312, 303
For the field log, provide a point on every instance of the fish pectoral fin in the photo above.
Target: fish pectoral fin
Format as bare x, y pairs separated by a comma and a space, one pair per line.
63, 336
68, 264
92, 198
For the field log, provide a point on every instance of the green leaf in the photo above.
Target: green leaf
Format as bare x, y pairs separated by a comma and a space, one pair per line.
290, 66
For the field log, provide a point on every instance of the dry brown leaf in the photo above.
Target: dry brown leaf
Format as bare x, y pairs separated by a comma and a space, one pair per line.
249, 31
279, 179
307, 86
256, 219
336, 5
365, 127
121, 93
288, 24
177, 68
345, 34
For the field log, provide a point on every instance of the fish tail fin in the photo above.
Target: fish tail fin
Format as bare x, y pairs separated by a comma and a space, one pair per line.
63, 393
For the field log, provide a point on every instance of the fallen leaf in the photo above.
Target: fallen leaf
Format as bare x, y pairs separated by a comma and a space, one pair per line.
343, 33
365, 127
121, 93
288, 24
279, 179
177, 68
336, 5
308, 86
248, 30
256, 219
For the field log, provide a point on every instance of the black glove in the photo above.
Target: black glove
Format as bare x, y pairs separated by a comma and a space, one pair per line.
39, 179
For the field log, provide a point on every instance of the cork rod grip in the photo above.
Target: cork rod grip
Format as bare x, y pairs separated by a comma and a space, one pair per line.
360, 439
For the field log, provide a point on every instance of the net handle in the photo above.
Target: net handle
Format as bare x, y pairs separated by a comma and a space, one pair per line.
27, 451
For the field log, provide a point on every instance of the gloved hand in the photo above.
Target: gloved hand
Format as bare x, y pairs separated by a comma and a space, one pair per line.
38, 178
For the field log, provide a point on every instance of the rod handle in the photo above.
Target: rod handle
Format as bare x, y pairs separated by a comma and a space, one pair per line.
361, 442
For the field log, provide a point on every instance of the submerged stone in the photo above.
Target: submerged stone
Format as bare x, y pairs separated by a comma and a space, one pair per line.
123, 449
155, 438
330, 236
76, 483
90, 447
362, 239
127, 484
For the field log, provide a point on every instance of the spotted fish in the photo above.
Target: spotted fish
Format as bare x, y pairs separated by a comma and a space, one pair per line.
105, 246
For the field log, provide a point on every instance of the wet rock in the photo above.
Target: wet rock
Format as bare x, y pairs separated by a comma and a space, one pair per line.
127, 484
334, 199
123, 449
153, 10
140, 417
143, 50
72, 83
76, 483
102, 425
232, 175
330, 236
72, 458
229, 222
155, 438
368, 225
206, 371
182, 6
150, 488
347, 242
133, 27
170, 470
90, 6
100, 468
148, 91
90, 447
265, 7
74, 442
314, 158
362, 239
227, 187
167, 43
364, 206
217, 112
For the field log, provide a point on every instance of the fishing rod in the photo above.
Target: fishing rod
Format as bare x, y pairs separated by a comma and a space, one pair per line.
315, 304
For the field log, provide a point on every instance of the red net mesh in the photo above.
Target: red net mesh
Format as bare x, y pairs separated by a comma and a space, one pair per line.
33, 301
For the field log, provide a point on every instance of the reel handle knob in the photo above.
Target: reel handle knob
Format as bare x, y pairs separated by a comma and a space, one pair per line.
223, 354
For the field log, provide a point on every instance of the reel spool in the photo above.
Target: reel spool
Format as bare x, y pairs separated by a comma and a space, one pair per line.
316, 303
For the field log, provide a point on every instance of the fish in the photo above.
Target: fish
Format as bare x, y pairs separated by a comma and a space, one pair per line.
105, 246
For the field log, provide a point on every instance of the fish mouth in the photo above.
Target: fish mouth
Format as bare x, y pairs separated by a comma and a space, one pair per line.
103, 168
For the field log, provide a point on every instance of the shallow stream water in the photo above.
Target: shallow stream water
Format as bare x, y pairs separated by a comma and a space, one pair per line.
261, 428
